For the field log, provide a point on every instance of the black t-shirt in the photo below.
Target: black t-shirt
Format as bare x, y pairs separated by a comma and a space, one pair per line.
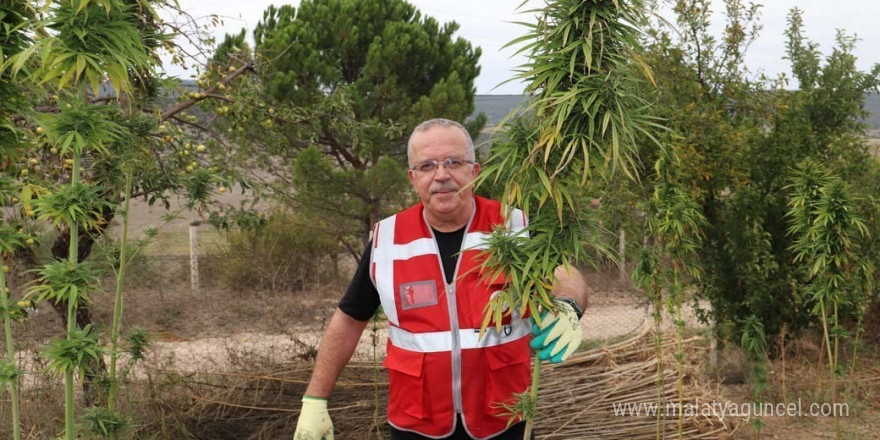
361, 299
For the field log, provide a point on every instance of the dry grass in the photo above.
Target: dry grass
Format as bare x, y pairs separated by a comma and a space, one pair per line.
575, 401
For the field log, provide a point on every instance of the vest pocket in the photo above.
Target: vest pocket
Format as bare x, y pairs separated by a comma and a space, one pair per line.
406, 383
509, 373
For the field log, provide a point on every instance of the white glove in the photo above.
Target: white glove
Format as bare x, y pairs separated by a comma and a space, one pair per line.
314, 421
559, 334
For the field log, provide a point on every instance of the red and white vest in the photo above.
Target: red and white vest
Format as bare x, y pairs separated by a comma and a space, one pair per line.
438, 366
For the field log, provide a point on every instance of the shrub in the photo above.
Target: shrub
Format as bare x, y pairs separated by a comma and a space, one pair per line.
283, 251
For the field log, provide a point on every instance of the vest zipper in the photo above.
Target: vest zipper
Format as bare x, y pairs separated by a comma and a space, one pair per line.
453, 314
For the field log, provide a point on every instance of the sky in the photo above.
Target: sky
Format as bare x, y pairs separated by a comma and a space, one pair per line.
489, 25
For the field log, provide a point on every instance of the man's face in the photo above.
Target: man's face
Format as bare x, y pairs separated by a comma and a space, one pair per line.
445, 193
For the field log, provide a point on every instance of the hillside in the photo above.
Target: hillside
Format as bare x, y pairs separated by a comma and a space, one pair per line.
872, 105
496, 107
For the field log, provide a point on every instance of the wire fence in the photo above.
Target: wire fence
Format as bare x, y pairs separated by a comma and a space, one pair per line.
615, 308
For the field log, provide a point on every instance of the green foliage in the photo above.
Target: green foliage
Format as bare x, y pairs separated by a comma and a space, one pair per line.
200, 185
71, 204
284, 252
80, 126
10, 239
520, 407
77, 352
675, 224
754, 342
738, 140
15, 17
136, 343
9, 373
385, 50
65, 280
827, 233
104, 423
15, 312
342, 197
340, 85
62, 123
89, 40
582, 70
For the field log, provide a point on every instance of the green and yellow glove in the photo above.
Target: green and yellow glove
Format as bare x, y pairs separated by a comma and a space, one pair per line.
314, 421
559, 334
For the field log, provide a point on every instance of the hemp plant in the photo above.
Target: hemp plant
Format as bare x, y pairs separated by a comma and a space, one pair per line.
76, 47
580, 77
119, 260
754, 342
78, 128
10, 240
675, 222
825, 224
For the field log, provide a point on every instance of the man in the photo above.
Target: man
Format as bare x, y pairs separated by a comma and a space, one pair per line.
445, 380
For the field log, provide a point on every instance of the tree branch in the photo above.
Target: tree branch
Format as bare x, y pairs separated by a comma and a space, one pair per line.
331, 142
181, 106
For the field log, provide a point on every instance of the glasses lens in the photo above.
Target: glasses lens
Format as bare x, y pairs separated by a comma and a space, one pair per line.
427, 166
453, 163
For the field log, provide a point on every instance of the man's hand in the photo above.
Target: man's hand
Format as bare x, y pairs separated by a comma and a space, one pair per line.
559, 334
314, 420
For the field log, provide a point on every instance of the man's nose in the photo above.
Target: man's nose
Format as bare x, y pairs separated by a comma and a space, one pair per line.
441, 173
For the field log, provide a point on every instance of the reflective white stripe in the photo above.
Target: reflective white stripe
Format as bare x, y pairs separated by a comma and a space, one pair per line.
433, 342
519, 329
421, 246
385, 268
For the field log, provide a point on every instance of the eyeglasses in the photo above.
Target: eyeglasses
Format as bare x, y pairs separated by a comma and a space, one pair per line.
450, 163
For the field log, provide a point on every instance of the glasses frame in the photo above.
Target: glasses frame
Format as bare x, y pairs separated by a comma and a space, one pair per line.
436, 164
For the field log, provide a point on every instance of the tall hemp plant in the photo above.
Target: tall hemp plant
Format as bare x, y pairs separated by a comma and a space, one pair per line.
10, 240
668, 264
754, 342
14, 38
80, 45
581, 72
824, 221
